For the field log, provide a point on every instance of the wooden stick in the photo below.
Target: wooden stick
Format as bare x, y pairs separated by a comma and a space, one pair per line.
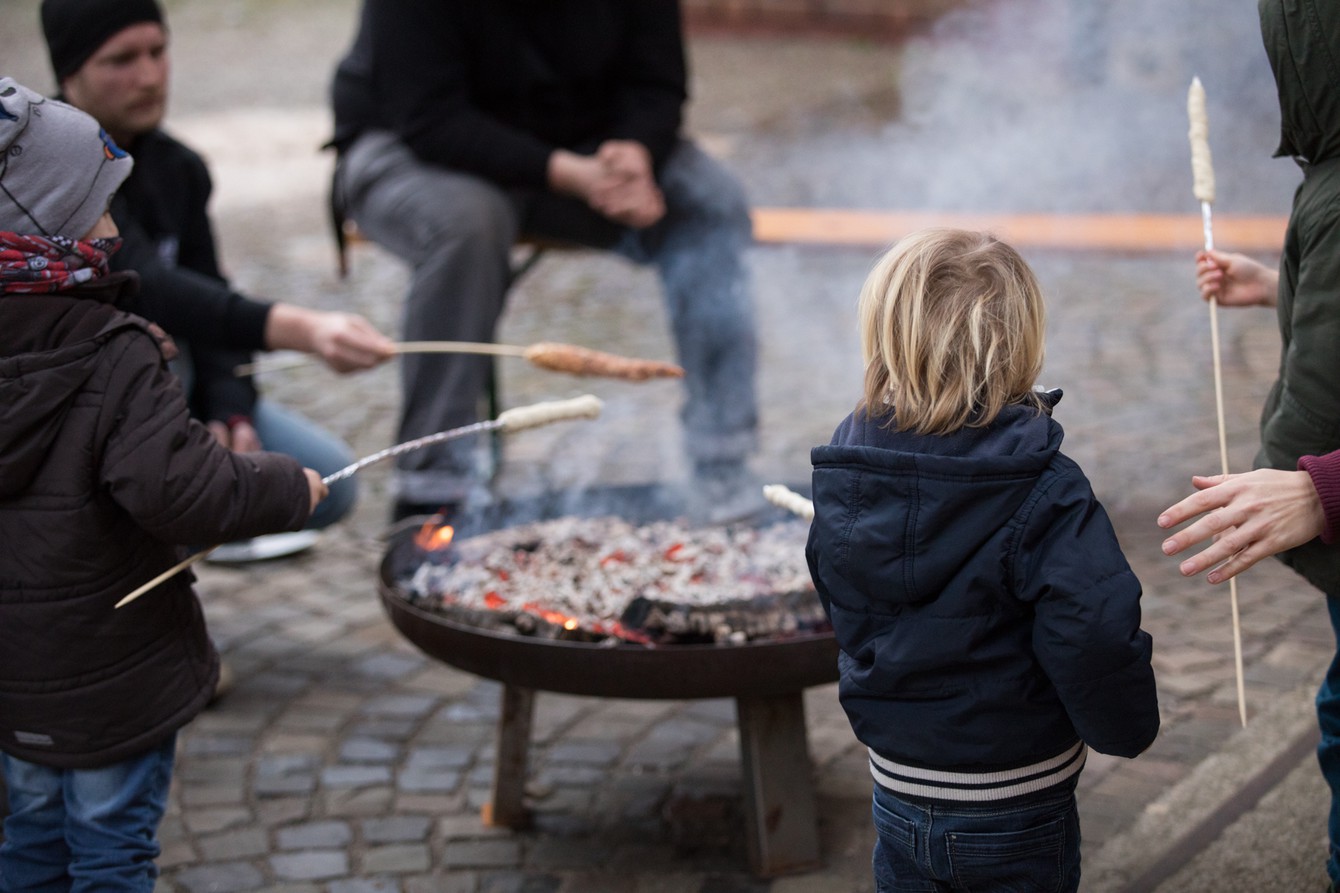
402, 347
1202, 172
166, 575
1223, 463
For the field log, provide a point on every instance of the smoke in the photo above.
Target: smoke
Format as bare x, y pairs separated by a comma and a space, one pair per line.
1060, 105
1040, 106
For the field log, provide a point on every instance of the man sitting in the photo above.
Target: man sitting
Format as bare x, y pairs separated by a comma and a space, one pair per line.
463, 125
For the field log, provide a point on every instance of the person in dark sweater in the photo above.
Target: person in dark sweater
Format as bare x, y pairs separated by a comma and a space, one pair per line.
988, 621
104, 480
110, 59
463, 125
1289, 505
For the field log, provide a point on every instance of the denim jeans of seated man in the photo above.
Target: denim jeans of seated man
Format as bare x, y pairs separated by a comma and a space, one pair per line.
85, 830
1028, 845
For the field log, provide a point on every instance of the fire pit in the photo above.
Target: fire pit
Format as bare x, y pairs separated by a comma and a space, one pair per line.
765, 676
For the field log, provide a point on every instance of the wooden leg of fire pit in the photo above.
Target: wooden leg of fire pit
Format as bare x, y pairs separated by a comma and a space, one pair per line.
507, 808
783, 834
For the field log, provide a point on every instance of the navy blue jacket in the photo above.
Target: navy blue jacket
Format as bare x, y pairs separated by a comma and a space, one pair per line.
986, 614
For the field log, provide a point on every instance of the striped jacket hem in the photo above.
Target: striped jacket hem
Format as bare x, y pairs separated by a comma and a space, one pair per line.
977, 787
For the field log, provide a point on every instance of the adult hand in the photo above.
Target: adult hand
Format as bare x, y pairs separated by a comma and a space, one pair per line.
573, 174
1249, 516
316, 490
1235, 280
635, 203
348, 342
627, 191
627, 159
344, 341
240, 436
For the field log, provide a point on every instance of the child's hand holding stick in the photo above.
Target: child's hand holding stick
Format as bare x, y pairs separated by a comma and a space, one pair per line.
511, 420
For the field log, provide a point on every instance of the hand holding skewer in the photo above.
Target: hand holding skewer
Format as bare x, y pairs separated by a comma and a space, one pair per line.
507, 422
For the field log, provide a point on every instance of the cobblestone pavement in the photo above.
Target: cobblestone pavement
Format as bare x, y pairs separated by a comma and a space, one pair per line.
347, 761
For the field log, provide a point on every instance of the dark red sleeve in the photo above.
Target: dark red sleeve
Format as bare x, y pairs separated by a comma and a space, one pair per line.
1325, 474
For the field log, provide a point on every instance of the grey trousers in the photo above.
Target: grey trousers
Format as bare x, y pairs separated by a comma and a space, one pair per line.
456, 231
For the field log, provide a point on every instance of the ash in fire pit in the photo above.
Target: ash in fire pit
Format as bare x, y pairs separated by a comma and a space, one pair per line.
604, 579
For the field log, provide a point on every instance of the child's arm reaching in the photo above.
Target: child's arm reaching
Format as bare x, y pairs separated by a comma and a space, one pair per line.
173, 478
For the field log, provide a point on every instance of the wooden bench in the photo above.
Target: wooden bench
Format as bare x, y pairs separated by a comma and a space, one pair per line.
844, 227
1071, 232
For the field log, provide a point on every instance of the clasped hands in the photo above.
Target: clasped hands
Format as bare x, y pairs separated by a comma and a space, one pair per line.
617, 182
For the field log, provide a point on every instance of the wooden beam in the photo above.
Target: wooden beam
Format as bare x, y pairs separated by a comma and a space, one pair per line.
1075, 232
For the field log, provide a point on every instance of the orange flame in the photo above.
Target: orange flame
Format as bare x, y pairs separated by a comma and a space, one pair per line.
554, 617
434, 537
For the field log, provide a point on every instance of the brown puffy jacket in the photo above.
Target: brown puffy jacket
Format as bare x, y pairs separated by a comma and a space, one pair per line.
103, 481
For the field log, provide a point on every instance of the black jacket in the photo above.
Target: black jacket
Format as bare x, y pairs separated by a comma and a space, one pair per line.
1302, 412
492, 88
162, 213
103, 479
986, 615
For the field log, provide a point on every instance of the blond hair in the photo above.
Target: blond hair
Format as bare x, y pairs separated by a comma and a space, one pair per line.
952, 326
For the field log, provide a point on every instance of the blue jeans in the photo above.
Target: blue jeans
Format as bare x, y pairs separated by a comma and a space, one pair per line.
85, 830
1328, 751
1020, 846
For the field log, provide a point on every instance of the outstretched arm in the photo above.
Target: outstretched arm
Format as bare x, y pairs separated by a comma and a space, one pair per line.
1247, 517
344, 341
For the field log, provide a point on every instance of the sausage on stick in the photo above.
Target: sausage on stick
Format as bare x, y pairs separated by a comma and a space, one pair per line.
551, 355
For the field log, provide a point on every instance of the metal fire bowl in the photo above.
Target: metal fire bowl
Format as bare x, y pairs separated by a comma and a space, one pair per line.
765, 668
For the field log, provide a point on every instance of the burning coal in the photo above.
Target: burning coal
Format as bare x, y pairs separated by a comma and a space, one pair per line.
606, 579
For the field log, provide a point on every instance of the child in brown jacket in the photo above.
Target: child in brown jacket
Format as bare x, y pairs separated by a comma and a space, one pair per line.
104, 480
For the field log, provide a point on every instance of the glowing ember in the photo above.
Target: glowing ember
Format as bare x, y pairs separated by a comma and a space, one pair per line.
434, 537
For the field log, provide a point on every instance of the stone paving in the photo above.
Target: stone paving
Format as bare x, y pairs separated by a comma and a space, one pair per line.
346, 761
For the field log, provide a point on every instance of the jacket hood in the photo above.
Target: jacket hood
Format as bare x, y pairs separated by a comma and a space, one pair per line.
927, 505
1302, 41
48, 350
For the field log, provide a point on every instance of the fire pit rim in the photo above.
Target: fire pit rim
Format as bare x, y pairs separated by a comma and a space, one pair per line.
758, 668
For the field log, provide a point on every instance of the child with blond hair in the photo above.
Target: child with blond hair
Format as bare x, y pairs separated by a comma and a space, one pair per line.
989, 623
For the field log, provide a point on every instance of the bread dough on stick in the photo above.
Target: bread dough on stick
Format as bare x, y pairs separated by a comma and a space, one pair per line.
1202, 168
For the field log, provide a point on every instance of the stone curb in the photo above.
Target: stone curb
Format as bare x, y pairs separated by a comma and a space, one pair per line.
1186, 819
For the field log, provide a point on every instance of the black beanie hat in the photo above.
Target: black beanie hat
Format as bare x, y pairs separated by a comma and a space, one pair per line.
75, 29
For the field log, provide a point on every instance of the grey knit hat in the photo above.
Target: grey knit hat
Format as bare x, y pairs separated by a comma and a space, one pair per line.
58, 168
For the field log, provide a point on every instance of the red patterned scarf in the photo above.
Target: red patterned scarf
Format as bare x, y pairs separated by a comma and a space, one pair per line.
42, 264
